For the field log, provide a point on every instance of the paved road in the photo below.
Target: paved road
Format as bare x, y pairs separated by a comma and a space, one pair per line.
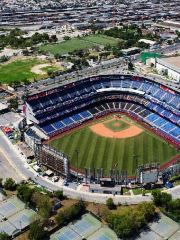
23, 172
101, 68
6, 169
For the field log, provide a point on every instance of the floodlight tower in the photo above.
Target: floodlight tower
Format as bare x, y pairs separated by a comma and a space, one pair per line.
77, 152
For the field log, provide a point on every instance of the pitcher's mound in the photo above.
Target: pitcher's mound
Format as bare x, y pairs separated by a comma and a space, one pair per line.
116, 124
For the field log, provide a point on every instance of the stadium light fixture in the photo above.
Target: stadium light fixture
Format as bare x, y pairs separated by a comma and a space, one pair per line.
136, 158
77, 152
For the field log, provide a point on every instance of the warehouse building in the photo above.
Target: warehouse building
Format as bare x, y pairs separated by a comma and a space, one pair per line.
169, 66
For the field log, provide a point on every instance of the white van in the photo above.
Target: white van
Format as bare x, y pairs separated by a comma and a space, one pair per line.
55, 179
37, 168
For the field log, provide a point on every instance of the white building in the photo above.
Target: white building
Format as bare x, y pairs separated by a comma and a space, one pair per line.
169, 66
151, 43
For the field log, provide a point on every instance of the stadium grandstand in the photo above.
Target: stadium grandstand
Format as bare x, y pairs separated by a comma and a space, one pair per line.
67, 105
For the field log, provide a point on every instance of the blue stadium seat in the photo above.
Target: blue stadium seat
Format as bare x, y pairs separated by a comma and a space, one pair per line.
168, 126
160, 121
152, 117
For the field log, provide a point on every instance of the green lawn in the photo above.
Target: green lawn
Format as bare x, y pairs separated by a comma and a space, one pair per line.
67, 46
138, 191
79, 43
103, 152
112, 125
52, 68
101, 39
19, 70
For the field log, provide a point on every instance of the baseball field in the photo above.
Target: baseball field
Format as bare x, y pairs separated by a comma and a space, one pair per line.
113, 140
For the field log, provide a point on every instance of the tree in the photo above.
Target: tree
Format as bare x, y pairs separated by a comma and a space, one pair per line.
60, 218
59, 194
25, 52
36, 232
4, 236
165, 199
110, 204
1, 182
10, 184
4, 59
169, 42
147, 210
139, 32
50, 72
16, 83
66, 38
25, 192
43, 204
54, 38
25, 81
130, 66
157, 197
13, 103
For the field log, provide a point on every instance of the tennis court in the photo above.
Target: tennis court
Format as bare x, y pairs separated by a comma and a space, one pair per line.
68, 234
160, 228
149, 236
17, 221
88, 227
7, 207
8, 228
21, 221
81, 227
102, 237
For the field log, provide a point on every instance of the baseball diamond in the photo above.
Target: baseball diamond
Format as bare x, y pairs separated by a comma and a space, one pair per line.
108, 119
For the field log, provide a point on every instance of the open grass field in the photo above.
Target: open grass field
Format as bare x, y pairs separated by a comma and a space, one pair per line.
79, 43
67, 46
18, 70
101, 39
103, 152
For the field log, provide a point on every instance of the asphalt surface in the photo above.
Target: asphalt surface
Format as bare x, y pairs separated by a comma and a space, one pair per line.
6, 169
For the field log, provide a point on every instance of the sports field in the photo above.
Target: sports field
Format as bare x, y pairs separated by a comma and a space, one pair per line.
101, 39
86, 42
67, 46
18, 70
111, 140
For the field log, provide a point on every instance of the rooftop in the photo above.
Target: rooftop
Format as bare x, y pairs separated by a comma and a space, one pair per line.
175, 60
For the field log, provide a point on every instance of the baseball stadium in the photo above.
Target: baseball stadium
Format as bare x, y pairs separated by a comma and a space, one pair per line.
108, 120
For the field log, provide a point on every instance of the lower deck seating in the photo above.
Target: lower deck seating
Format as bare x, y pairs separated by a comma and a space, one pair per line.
67, 120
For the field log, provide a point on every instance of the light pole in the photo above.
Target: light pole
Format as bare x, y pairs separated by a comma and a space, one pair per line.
20, 225
136, 158
77, 152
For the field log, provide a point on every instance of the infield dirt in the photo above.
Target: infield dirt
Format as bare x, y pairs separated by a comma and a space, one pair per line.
100, 129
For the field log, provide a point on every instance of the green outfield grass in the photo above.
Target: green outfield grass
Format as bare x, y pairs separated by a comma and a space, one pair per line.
102, 152
18, 70
67, 46
113, 127
101, 39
